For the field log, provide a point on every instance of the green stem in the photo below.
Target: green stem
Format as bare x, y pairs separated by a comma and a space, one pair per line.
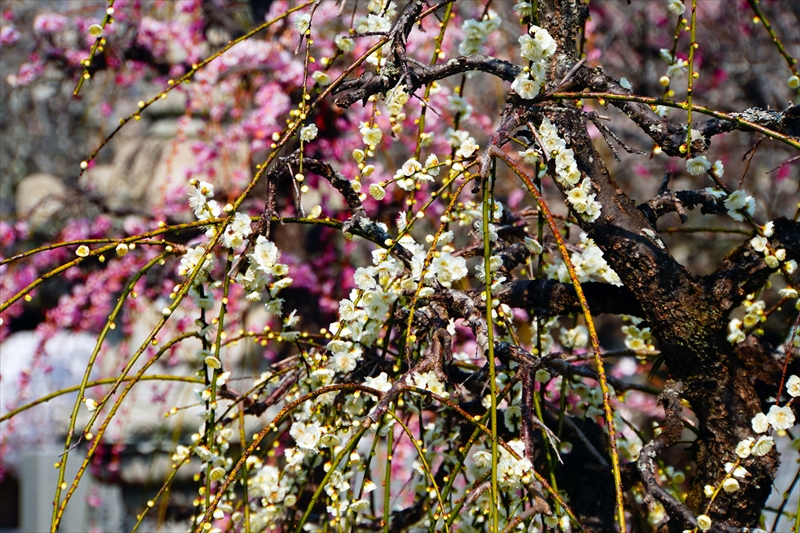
487, 254
96, 383
792, 62
692, 47
387, 481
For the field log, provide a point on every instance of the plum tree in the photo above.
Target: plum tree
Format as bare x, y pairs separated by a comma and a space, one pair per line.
456, 314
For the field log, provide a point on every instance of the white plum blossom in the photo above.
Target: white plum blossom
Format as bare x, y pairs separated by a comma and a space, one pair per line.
279, 285
432, 165
456, 137
459, 105
302, 23
476, 33
268, 483
703, 521
698, 165
676, 7
636, 338
322, 78
581, 197
274, 307
192, 258
735, 333
429, 381
677, 68
539, 47
395, 100
364, 278
181, 453
410, 167
380, 382
740, 200
482, 458
530, 156
523, 9
265, 254
370, 136
377, 191
793, 384
347, 360
763, 446
525, 87
543, 46
743, 448
532, 245
588, 264
512, 473
736, 471
307, 437
717, 168
730, 485
577, 337
199, 200
788, 293
237, 231
758, 243
345, 44
309, 132
467, 148
759, 423
780, 418
449, 268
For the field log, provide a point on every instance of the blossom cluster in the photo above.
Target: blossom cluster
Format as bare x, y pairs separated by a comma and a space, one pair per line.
589, 264
772, 258
636, 338
754, 316
581, 196
410, 174
512, 473
749, 449
536, 47
362, 315
476, 33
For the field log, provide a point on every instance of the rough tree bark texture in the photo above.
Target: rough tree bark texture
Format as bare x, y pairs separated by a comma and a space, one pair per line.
688, 314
